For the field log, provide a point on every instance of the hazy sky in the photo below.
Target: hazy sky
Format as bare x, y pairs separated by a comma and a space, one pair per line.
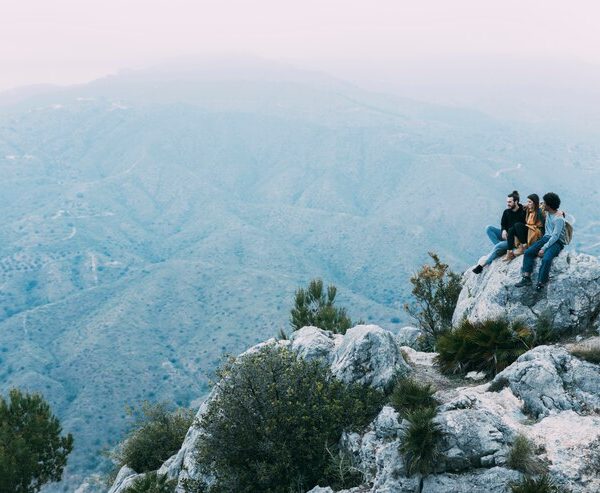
65, 41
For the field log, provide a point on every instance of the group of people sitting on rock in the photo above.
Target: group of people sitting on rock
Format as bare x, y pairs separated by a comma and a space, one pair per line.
536, 230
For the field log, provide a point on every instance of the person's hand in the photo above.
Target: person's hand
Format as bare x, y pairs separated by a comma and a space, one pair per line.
504, 234
541, 253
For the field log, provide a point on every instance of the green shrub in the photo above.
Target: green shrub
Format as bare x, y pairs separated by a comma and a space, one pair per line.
341, 472
409, 395
152, 483
544, 332
421, 441
589, 353
32, 450
272, 418
316, 308
543, 484
156, 435
435, 289
522, 457
488, 346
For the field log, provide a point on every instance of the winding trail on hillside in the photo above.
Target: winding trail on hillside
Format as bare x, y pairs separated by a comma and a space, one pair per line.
507, 170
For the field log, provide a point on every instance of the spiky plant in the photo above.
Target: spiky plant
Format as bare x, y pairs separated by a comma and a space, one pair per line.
488, 346
421, 441
542, 484
152, 483
314, 306
522, 457
409, 395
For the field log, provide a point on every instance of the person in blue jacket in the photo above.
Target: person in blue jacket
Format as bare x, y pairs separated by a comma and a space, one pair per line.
547, 247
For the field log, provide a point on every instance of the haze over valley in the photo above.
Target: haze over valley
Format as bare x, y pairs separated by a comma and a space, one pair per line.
157, 219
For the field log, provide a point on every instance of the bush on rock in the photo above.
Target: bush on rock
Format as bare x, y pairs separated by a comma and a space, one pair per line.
272, 420
157, 434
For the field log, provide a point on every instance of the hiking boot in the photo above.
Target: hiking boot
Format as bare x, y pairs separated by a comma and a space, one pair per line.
525, 281
509, 256
478, 269
520, 251
539, 286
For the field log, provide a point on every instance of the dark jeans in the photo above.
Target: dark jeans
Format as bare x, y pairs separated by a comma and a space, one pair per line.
549, 254
519, 230
495, 236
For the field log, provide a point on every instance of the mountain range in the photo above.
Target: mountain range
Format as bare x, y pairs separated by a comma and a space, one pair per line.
155, 220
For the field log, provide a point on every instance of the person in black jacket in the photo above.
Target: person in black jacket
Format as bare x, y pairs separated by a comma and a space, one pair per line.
514, 213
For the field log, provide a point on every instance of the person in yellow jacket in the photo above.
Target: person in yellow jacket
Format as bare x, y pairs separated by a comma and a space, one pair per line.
526, 233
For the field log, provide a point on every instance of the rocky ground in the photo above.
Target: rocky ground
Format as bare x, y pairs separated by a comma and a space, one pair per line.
547, 395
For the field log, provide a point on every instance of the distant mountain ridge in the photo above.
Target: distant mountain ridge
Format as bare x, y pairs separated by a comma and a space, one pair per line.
154, 220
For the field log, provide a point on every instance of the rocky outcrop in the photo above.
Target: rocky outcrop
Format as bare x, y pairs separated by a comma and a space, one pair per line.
366, 354
547, 395
409, 336
125, 478
480, 427
571, 299
549, 379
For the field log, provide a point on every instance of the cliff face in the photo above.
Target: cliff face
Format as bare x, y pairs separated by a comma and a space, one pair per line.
547, 395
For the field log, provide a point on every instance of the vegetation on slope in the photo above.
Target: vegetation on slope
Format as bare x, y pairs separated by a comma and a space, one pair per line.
32, 450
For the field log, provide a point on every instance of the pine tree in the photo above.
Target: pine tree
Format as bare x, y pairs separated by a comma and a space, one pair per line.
32, 450
315, 307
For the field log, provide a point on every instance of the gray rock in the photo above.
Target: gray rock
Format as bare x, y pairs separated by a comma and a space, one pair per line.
369, 355
571, 299
409, 336
314, 343
494, 480
125, 478
473, 438
549, 379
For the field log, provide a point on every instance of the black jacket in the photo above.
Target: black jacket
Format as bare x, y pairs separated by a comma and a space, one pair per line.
510, 217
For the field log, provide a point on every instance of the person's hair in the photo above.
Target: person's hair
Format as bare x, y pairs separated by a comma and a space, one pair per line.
552, 200
535, 199
515, 196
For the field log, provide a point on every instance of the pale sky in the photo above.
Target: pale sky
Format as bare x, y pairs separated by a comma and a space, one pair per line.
69, 41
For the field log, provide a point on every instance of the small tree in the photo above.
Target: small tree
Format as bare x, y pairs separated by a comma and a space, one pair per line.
157, 434
315, 307
32, 450
435, 289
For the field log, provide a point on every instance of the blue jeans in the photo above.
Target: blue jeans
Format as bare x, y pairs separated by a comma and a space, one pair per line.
549, 254
500, 245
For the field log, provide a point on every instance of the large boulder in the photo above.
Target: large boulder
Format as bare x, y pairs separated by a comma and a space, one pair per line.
369, 355
549, 379
571, 299
365, 354
474, 438
409, 336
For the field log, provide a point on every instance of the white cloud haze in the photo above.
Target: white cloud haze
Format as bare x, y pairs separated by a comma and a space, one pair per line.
68, 41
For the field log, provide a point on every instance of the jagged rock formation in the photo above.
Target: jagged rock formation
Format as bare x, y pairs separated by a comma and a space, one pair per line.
547, 395
409, 336
571, 299
480, 427
548, 379
366, 354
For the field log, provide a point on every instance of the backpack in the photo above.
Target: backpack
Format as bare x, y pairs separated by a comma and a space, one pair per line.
568, 229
